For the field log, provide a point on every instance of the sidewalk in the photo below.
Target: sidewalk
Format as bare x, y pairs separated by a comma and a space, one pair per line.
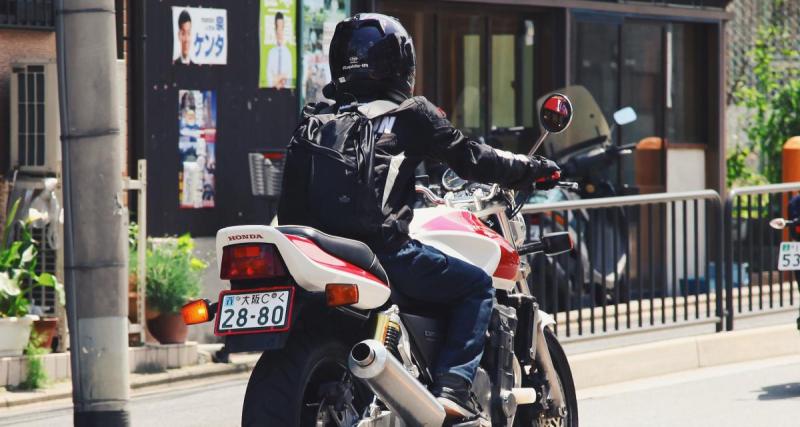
589, 369
239, 363
639, 361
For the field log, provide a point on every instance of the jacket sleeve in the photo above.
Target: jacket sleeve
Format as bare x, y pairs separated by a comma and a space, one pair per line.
470, 159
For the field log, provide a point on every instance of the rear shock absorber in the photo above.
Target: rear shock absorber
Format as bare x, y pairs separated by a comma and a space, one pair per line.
387, 330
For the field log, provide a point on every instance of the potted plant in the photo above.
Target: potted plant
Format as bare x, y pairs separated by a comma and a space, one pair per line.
173, 278
17, 276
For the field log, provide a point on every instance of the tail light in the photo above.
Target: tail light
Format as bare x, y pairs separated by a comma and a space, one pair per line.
251, 261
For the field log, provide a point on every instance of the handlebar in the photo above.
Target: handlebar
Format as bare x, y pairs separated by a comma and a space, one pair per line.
430, 195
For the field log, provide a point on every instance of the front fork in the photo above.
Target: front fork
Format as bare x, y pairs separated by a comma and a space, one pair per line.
545, 362
539, 349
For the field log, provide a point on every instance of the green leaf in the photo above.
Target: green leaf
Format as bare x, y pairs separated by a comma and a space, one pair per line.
46, 279
10, 222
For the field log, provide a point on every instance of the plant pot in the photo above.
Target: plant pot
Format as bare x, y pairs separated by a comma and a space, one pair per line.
14, 334
151, 313
46, 330
168, 328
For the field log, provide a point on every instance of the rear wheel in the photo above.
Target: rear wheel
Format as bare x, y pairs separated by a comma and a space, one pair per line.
305, 384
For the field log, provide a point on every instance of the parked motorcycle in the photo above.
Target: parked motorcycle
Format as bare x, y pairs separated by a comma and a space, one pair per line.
586, 154
342, 348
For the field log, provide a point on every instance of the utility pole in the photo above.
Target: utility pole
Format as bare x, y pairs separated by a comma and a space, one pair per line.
95, 244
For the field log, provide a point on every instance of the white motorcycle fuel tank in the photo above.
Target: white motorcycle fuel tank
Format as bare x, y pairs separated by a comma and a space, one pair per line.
460, 234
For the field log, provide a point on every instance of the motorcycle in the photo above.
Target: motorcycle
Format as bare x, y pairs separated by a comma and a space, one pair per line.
585, 155
342, 348
789, 252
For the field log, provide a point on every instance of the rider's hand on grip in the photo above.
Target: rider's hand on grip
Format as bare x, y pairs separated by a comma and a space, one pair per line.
547, 173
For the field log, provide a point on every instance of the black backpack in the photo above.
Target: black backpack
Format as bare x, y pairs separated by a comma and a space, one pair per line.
329, 180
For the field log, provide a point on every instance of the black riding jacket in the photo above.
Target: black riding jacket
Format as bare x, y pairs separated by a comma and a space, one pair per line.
418, 131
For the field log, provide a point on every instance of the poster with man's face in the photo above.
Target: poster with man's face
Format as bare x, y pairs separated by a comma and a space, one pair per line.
200, 36
278, 44
319, 21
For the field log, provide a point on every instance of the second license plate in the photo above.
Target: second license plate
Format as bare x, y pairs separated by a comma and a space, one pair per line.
789, 256
254, 311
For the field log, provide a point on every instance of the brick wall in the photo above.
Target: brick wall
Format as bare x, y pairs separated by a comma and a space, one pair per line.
18, 46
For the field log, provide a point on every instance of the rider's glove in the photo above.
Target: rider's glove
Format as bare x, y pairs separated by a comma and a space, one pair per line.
546, 172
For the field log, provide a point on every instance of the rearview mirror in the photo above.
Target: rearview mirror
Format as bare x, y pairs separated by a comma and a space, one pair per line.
557, 243
556, 113
625, 116
778, 223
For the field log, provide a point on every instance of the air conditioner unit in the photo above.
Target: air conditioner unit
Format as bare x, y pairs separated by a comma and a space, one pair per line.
35, 128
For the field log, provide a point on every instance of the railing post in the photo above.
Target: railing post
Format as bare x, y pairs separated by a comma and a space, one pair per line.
725, 272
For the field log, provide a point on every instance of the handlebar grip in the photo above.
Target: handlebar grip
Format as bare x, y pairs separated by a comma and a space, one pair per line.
554, 177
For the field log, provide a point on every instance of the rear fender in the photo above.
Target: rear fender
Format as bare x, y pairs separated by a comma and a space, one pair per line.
310, 267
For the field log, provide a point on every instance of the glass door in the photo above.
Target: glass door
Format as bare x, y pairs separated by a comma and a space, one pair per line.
462, 71
511, 98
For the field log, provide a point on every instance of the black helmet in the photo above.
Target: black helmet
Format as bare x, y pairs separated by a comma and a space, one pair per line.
371, 53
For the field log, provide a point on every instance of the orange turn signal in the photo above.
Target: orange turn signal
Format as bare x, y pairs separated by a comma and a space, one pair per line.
341, 294
195, 312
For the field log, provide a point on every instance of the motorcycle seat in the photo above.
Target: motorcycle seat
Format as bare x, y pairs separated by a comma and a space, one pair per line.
352, 251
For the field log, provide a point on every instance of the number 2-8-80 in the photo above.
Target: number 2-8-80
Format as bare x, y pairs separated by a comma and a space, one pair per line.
264, 317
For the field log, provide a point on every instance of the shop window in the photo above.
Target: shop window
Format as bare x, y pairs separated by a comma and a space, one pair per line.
511, 69
642, 79
503, 90
686, 105
596, 62
461, 77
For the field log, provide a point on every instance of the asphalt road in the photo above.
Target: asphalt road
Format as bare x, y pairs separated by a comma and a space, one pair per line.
764, 393
208, 403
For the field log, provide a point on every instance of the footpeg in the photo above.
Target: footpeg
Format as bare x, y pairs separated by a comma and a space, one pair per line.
525, 395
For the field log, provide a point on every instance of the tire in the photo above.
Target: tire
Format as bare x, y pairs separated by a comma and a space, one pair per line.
525, 416
284, 384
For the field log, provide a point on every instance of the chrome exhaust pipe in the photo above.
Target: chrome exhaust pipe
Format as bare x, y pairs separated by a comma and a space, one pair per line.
394, 385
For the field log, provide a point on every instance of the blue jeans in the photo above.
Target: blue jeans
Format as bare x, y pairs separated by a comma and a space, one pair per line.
465, 291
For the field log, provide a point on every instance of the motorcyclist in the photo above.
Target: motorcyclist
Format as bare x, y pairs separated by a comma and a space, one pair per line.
372, 58
794, 232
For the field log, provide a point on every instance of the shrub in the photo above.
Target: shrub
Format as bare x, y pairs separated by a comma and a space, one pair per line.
173, 273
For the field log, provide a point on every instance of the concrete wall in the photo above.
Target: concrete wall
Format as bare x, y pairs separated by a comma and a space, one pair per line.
18, 46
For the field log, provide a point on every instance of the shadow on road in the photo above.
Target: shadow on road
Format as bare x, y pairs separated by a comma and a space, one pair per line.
780, 391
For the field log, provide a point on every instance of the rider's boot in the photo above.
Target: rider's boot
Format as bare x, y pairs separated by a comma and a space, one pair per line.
455, 394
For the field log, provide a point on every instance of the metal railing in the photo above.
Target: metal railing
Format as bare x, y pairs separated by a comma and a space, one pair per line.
36, 14
640, 262
753, 283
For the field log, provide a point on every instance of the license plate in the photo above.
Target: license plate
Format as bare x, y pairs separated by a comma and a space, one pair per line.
789, 256
254, 311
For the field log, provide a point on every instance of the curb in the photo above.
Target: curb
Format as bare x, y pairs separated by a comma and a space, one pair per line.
138, 381
665, 357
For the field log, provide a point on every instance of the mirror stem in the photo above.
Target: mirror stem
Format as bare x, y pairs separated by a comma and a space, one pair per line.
538, 142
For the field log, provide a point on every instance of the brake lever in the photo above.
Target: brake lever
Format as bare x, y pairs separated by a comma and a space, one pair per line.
568, 185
